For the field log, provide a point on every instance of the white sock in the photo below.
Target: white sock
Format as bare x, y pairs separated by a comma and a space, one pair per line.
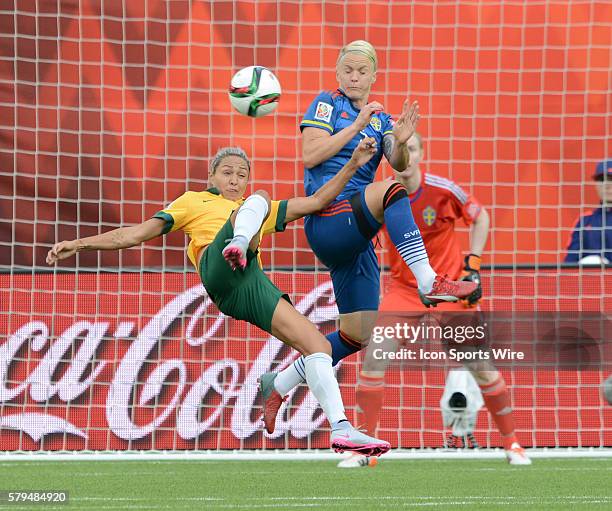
250, 217
424, 274
290, 377
324, 386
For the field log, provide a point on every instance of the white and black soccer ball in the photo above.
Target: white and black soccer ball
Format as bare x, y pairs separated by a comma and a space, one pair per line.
254, 91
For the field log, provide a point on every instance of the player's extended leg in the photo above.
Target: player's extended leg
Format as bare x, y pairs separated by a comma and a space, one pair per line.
295, 330
355, 330
388, 203
357, 286
247, 221
497, 400
341, 238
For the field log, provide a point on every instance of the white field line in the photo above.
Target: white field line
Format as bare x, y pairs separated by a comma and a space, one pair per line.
426, 454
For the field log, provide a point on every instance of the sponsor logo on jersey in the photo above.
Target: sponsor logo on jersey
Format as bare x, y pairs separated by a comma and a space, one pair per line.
324, 111
429, 216
375, 123
344, 115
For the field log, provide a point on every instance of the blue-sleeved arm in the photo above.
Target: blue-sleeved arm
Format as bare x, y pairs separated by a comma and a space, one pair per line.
320, 114
573, 249
387, 128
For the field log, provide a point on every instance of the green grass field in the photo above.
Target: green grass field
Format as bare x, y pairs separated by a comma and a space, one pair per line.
260, 485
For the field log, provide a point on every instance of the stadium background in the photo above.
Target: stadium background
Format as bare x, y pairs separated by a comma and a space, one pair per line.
110, 110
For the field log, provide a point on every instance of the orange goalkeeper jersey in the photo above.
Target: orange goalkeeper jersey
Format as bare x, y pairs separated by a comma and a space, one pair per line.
436, 206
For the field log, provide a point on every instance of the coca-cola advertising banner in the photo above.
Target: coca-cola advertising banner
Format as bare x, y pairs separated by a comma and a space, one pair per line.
146, 361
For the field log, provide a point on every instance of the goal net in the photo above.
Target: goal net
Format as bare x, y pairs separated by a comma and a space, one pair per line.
110, 110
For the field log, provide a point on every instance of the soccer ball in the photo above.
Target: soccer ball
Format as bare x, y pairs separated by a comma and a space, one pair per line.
254, 91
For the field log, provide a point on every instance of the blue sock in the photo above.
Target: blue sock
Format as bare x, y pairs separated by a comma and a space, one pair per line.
406, 236
342, 347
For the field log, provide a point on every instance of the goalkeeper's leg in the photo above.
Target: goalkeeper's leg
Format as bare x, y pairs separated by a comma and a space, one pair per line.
371, 385
497, 400
370, 393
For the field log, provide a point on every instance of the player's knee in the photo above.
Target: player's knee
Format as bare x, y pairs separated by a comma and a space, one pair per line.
356, 333
484, 377
315, 343
262, 194
381, 195
358, 326
394, 192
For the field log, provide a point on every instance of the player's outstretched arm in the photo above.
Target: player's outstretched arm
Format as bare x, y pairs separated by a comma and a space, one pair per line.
299, 207
124, 237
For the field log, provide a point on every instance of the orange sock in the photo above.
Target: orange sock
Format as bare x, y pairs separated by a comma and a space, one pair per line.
497, 401
370, 394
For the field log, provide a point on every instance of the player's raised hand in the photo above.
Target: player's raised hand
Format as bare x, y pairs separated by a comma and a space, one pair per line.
61, 250
406, 124
366, 113
364, 151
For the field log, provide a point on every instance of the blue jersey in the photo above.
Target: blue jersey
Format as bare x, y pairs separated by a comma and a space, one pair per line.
332, 112
592, 236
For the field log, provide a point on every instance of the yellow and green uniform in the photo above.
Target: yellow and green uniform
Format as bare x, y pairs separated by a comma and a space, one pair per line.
204, 216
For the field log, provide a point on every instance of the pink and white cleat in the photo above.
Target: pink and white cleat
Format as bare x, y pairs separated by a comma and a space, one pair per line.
235, 252
445, 290
347, 438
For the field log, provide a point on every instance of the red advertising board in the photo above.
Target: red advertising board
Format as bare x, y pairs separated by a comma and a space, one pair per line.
145, 361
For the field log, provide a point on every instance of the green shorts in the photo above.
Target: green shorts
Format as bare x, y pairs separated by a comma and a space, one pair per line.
242, 294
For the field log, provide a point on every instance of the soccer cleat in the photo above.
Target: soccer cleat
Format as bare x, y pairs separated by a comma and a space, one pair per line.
357, 460
272, 400
348, 438
445, 290
235, 252
516, 455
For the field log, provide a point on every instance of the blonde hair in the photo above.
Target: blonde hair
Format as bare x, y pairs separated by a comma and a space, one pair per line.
224, 152
359, 46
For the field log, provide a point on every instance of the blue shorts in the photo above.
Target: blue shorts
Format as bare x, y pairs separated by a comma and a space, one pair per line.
341, 237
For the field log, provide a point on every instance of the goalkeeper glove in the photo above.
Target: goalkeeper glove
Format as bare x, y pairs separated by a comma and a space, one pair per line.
471, 272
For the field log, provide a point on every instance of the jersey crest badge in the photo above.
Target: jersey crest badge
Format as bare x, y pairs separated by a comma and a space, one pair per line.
375, 123
429, 215
323, 112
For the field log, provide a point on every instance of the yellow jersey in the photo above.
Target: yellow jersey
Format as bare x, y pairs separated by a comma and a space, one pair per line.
201, 215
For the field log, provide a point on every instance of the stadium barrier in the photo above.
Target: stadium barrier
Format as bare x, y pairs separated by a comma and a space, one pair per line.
144, 362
